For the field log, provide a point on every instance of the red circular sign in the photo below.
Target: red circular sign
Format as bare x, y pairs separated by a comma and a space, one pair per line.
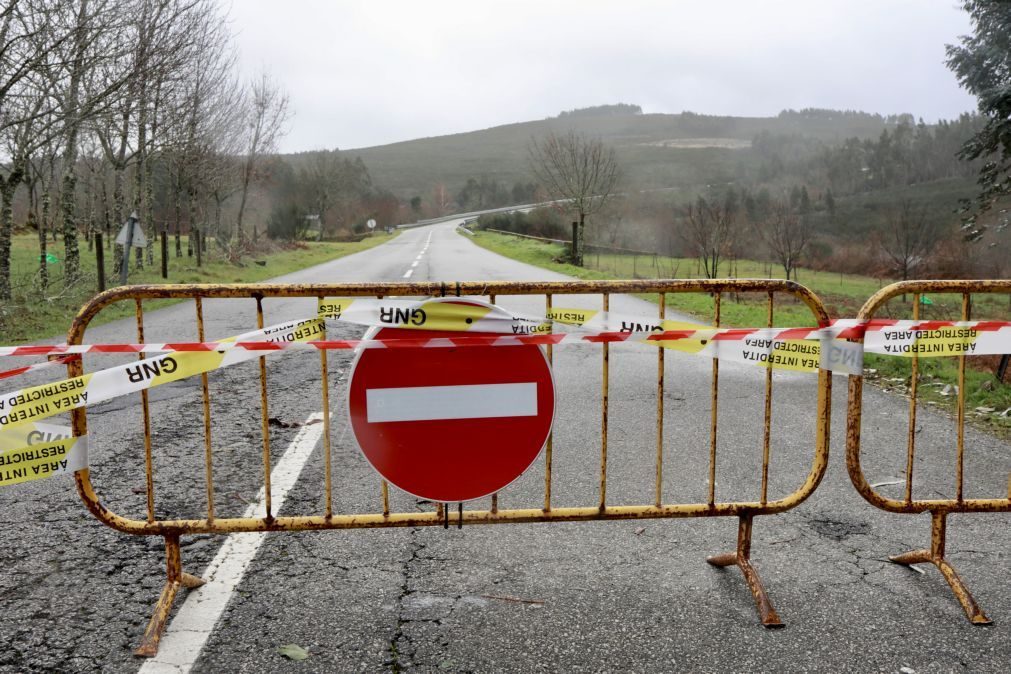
450, 424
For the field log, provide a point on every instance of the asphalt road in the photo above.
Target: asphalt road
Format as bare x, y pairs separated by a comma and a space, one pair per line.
596, 596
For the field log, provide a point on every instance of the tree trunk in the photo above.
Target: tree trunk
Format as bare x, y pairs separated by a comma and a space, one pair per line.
580, 240
6, 229
43, 263
72, 255
199, 230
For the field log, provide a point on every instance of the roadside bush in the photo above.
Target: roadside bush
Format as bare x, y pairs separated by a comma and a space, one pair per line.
545, 222
287, 222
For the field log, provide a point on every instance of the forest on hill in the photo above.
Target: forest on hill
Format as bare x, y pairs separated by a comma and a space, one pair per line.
846, 182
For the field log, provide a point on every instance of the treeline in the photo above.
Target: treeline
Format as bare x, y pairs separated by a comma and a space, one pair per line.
483, 193
603, 111
907, 155
833, 115
109, 107
327, 194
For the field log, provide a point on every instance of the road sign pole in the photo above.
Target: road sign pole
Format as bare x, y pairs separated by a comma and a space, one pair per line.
124, 271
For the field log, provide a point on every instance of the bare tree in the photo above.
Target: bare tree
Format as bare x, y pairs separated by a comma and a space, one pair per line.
709, 229
266, 114
786, 233
909, 237
581, 170
97, 44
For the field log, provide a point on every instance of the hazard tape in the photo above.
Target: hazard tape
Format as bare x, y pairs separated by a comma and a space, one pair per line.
930, 338
40, 402
42, 452
436, 314
37, 366
32, 434
797, 349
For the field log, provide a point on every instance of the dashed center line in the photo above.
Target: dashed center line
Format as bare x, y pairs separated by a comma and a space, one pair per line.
409, 272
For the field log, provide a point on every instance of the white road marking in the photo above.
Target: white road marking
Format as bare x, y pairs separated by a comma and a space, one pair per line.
477, 401
408, 273
414, 264
194, 622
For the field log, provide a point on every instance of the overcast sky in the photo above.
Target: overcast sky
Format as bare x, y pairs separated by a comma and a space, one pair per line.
376, 72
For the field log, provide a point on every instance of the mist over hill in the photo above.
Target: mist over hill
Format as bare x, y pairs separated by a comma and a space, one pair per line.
655, 150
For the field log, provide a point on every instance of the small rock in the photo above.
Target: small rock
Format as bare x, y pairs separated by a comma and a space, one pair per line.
906, 670
946, 391
987, 386
1005, 414
985, 410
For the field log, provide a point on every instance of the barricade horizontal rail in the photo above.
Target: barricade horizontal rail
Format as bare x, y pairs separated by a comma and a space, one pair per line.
208, 522
939, 508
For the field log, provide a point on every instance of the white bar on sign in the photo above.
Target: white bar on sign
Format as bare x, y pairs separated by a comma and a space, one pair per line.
428, 403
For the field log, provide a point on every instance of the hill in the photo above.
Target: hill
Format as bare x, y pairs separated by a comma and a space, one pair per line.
655, 150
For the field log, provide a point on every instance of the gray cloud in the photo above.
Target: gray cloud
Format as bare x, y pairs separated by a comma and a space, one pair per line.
370, 73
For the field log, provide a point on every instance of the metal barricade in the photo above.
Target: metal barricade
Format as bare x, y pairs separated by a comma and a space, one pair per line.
546, 510
940, 508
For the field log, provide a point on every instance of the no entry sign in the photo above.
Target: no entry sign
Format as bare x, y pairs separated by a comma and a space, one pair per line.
450, 424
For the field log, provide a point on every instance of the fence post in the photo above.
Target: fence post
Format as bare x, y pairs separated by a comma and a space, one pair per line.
100, 261
164, 252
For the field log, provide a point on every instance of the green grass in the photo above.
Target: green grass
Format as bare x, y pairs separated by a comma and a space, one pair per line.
34, 314
842, 294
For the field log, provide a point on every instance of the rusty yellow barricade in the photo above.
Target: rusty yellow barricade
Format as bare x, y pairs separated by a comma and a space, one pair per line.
770, 294
939, 508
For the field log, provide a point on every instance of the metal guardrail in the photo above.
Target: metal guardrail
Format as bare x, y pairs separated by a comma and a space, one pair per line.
587, 246
940, 508
742, 506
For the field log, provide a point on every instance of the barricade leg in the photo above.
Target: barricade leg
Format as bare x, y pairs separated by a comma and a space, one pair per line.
742, 559
935, 556
175, 578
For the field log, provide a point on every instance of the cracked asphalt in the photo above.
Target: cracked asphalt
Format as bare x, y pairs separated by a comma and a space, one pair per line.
583, 597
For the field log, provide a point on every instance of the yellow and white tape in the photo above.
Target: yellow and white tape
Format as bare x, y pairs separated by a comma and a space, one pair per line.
435, 314
40, 402
48, 458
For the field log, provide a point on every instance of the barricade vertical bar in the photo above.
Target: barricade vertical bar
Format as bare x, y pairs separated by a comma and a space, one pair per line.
384, 488
603, 416
715, 398
264, 418
659, 408
767, 435
148, 461
208, 451
551, 433
324, 356
961, 409
913, 384
494, 497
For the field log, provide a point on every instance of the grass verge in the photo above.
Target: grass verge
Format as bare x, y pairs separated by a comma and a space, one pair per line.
36, 313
